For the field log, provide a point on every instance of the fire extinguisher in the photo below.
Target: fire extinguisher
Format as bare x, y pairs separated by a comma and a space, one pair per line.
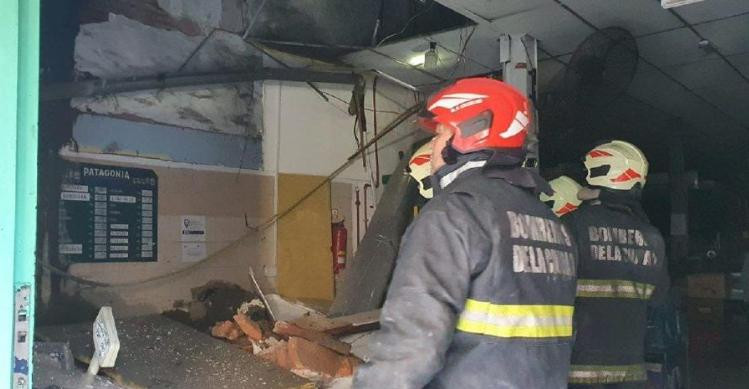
340, 239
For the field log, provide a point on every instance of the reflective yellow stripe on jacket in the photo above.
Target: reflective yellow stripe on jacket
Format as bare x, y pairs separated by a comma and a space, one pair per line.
614, 289
516, 321
602, 374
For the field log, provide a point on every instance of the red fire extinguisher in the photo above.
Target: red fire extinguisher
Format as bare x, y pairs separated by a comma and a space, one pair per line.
340, 238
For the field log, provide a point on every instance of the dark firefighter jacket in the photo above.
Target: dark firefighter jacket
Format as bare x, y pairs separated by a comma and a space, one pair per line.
622, 269
483, 291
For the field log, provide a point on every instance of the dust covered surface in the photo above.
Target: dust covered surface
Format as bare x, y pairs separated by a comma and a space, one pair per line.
157, 352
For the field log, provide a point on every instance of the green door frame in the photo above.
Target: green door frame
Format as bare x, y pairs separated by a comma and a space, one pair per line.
19, 99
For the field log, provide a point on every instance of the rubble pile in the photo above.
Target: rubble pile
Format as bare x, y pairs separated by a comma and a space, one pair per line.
301, 346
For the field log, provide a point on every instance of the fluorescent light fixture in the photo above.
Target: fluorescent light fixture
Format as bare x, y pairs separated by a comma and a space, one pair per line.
677, 3
417, 60
397, 81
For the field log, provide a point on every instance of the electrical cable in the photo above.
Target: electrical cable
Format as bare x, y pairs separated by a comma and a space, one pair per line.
366, 109
374, 120
461, 56
252, 21
253, 229
408, 23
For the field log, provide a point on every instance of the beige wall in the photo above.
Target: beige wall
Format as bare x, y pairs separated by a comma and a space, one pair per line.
302, 135
223, 197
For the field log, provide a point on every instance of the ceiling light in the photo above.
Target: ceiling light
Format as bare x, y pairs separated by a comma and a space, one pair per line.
677, 3
431, 57
416, 60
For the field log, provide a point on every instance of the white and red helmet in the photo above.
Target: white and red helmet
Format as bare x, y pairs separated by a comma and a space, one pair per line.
420, 168
484, 114
564, 200
616, 165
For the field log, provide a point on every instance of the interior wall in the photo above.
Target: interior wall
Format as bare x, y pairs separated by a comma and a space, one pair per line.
224, 198
304, 257
307, 137
303, 136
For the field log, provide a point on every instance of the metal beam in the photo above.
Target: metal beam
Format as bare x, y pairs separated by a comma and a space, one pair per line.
100, 87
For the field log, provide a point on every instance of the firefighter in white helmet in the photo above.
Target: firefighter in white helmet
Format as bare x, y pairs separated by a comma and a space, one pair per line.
621, 270
420, 169
564, 200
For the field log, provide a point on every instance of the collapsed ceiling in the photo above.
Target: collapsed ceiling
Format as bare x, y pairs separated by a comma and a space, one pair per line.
691, 77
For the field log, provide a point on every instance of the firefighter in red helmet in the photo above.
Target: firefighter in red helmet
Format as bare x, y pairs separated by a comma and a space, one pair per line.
484, 286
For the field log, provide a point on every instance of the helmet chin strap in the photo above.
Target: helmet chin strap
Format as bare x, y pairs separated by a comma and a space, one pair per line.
449, 154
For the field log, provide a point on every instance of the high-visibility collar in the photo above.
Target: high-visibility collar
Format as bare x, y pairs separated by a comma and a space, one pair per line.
603, 374
516, 321
614, 289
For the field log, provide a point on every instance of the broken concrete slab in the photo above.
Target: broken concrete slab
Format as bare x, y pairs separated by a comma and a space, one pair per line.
147, 12
122, 48
157, 352
365, 281
234, 15
342, 325
360, 345
230, 110
207, 13
287, 310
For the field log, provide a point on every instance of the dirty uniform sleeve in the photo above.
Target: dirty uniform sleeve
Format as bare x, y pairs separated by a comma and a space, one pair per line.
426, 295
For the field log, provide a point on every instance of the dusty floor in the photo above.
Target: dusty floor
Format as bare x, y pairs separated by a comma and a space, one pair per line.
156, 352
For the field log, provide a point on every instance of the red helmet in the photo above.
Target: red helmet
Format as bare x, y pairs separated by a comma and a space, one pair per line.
483, 113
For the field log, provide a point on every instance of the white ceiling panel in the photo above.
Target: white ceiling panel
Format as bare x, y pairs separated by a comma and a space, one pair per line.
708, 73
730, 36
638, 16
491, 9
672, 48
712, 9
482, 48
559, 31
481, 55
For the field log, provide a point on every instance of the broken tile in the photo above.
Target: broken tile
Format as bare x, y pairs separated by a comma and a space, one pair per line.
306, 355
226, 330
249, 327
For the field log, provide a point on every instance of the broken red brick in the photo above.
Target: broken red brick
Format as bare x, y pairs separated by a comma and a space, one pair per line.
306, 355
226, 330
277, 354
348, 367
321, 338
249, 327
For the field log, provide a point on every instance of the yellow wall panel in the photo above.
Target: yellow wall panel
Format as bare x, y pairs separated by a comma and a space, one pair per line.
305, 267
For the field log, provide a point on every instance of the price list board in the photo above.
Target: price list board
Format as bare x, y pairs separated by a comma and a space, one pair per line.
108, 214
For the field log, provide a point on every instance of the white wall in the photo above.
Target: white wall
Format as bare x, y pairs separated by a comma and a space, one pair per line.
304, 134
